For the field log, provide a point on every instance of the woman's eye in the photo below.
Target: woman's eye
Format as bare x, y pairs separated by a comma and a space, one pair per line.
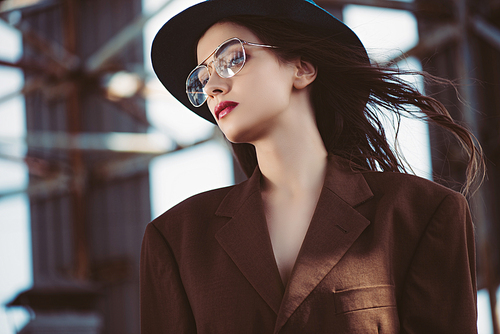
237, 59
203, 79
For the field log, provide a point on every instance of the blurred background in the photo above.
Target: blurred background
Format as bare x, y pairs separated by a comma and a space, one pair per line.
92, 147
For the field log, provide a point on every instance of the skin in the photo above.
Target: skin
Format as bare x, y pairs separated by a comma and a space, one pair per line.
274, 114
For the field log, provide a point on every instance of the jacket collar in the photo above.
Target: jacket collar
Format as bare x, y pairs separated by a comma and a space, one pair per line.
333, 229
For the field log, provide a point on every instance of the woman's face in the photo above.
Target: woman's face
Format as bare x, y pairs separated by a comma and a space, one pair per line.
255, 100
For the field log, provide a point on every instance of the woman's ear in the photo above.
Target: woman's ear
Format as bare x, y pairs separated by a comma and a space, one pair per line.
305, 74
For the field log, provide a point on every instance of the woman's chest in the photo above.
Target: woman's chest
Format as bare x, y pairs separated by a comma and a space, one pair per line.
287, 223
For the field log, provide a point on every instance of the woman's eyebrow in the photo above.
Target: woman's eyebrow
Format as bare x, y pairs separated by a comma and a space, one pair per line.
203, 62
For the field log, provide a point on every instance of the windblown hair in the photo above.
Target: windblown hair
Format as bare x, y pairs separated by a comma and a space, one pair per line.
348, 95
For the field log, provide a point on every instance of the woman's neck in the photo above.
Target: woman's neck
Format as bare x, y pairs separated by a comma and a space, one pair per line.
293, 161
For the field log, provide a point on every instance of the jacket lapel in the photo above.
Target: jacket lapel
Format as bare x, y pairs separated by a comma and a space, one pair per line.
333, 229
245, 238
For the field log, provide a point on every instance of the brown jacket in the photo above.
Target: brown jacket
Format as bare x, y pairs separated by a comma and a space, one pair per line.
384, 253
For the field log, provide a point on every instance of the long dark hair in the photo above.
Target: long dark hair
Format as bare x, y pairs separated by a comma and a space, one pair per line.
348, 95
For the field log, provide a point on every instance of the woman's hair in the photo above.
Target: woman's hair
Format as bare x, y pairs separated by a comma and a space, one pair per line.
348, 95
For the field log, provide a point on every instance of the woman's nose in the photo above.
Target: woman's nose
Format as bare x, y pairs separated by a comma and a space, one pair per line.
216, 85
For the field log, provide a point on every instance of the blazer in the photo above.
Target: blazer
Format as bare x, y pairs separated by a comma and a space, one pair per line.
384, 253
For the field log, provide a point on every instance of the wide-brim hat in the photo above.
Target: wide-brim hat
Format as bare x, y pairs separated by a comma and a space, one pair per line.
173, 52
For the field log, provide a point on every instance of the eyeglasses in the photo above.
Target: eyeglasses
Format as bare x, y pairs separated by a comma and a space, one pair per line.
229, 59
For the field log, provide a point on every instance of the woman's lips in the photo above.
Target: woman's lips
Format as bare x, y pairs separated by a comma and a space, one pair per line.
224, 108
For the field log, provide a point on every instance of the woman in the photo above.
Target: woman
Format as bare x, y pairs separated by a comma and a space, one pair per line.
316, 240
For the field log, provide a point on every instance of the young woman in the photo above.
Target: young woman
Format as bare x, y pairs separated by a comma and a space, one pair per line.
328, 234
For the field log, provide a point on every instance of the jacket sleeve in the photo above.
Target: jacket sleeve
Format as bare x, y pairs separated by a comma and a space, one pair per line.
164, 304
439, 294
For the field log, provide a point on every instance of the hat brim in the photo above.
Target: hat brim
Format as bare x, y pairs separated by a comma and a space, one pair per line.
173, 52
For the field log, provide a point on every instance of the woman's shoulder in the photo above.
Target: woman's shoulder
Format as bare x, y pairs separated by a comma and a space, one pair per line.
403, 186
413, 202
195, 213
204, 203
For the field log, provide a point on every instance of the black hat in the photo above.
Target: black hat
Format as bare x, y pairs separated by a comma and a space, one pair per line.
173, 53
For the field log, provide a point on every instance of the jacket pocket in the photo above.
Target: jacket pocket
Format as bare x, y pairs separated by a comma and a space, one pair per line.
364, 298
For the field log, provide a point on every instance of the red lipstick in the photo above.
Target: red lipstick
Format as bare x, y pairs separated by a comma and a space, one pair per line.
224, 108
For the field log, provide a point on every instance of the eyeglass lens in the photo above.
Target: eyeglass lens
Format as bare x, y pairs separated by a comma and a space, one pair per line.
228, 61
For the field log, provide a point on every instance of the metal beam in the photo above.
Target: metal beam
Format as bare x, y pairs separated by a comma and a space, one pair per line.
430, 43
38, 167
30, 86
7, 6
25, 66
466, 59
59, 184
10, 5
130, 107
110, 141
97, 60
486, 30
59, 56
78, 185
122, 168
127, 167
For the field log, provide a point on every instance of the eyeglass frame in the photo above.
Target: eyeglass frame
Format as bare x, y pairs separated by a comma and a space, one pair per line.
243, 43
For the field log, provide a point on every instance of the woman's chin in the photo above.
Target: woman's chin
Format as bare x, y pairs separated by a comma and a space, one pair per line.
236, 139
237, 136
245, 130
